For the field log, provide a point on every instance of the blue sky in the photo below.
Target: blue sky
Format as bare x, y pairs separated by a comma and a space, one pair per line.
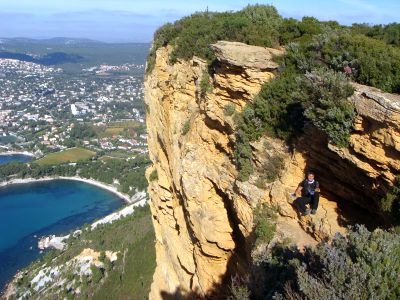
130, 20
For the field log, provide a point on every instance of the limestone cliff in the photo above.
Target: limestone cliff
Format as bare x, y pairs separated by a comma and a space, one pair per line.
203, 216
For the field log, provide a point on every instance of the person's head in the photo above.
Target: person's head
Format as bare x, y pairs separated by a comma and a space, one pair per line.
310, 176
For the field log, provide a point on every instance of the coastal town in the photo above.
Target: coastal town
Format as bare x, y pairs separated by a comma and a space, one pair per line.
41, 105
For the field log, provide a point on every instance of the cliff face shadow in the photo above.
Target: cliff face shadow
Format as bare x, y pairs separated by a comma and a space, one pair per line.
341, 182
179, 294
218, 291
350, 214
238, 270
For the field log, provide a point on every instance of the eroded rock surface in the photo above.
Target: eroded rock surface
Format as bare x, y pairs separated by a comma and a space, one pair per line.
203, 216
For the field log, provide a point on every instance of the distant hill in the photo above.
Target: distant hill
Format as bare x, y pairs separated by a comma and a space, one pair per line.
55, 58
73, 53
50, 42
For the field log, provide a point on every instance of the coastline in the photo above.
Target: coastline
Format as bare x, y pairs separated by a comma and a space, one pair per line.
99, 184
56, 242
17, 153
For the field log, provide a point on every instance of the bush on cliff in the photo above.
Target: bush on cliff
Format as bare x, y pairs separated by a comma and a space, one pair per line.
259, 25
205, 85
265, 227
284, 104
256, 25
390, 203
229, 109
361, 58
163, 36
186, 127
362, 53
361, 265
324, 96
153, 176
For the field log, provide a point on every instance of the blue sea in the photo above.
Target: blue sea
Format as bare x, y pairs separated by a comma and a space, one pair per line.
43, 208
5, 159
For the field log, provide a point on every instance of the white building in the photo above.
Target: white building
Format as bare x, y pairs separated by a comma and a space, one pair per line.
74, 110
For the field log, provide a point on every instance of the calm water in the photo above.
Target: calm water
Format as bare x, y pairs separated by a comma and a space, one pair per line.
43, 208
4, 159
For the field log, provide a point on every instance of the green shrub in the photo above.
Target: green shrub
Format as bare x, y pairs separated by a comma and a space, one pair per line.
324, 95
229, 109
259, 25
374, 63
274, 112
389, 33
97, 274
102, 256
271, 170
256, 25
367, 60
162, 37
205, 85
260, 182
239, 289
265, 228
362, 265
243, 156
265, 231
273, 167
153, 176
283, 105
363, 59
186, 127
390, 203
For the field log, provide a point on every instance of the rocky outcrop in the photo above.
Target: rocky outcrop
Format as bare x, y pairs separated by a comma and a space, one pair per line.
203, 216
249, 57
199, 219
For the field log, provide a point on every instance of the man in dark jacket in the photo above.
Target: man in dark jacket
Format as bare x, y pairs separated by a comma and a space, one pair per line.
310, 191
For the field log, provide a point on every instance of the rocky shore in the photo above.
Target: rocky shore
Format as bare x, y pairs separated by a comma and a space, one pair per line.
17, 153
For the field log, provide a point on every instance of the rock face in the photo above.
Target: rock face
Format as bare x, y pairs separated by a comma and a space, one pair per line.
245, 56
203, 216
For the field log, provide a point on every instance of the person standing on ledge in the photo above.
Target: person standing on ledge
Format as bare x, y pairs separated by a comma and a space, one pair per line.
310, 191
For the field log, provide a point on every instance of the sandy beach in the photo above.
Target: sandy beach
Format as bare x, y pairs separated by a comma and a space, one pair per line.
108, 187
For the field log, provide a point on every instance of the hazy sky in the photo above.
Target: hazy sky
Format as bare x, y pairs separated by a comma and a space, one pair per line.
130, 20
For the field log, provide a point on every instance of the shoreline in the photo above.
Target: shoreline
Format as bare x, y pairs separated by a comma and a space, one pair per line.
110, 188
17, 153
56, 242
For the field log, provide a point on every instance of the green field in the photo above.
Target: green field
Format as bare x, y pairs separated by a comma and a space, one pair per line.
112, 131
69, 155
128, 129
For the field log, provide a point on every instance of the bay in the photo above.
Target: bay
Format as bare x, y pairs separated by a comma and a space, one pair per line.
31, 210
5, 159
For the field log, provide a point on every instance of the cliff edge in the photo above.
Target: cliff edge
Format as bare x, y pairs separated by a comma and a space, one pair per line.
202, 215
